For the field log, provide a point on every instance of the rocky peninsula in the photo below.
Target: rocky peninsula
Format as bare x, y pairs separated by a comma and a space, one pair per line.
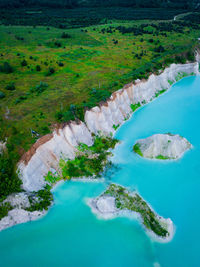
117, 200
162, 146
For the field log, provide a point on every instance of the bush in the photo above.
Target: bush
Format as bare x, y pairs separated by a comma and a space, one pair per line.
38, 68
136, 149
6, 68
38, 89
24, 63
159, 49
4, 209
58, 44
10, 87
50, 71
2, 95
65, 35
45, 198
45, 130
20, 99
60, 64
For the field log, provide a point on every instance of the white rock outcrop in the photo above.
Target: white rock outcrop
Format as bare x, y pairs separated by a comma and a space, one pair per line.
16, 216
48, 150
2, 147
163, 146
18, 200
117, 108
103, 206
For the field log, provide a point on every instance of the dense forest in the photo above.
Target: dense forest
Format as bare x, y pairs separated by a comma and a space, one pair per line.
180, 4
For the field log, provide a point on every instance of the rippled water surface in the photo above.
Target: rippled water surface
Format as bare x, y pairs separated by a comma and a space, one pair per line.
70, 235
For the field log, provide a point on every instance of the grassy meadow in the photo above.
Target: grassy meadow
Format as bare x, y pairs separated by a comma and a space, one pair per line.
54, 72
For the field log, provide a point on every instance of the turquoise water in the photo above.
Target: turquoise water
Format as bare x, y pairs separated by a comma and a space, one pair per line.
70, 235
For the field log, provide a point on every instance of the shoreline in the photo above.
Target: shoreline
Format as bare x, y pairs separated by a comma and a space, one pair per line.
27, 179
117, 213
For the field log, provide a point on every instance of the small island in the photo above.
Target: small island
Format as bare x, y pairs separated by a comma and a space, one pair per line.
162, 146
117, 200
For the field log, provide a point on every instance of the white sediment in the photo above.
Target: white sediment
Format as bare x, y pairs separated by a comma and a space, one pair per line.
2, 146
166, 145
46, 153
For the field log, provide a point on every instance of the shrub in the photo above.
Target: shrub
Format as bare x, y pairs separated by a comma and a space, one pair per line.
45, 130
38, 68
2, 95
150, 40
159, 49
45, 198
135, 106
65, 35
60, 64
4, 209
50, 71
20, 99
9, 181
136, 149
38, 89
58, 44
6, 68
10, 87
24, 63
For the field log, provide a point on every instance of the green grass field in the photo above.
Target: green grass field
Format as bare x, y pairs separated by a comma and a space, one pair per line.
88, 59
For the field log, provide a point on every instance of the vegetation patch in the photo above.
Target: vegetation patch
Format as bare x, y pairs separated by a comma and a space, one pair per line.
160, 92
135, 106
125, 200
161, 156
9, 181
170, 82
89, 161
4, 209
115, 126
41, 199
136, 149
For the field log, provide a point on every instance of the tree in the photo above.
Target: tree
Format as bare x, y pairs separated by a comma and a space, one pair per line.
38, 68
50, 71
24, 63
65, 35
10, 87
2, 95
6, 68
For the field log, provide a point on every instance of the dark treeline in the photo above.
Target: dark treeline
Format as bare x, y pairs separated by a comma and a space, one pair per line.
81, 17
176, 4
